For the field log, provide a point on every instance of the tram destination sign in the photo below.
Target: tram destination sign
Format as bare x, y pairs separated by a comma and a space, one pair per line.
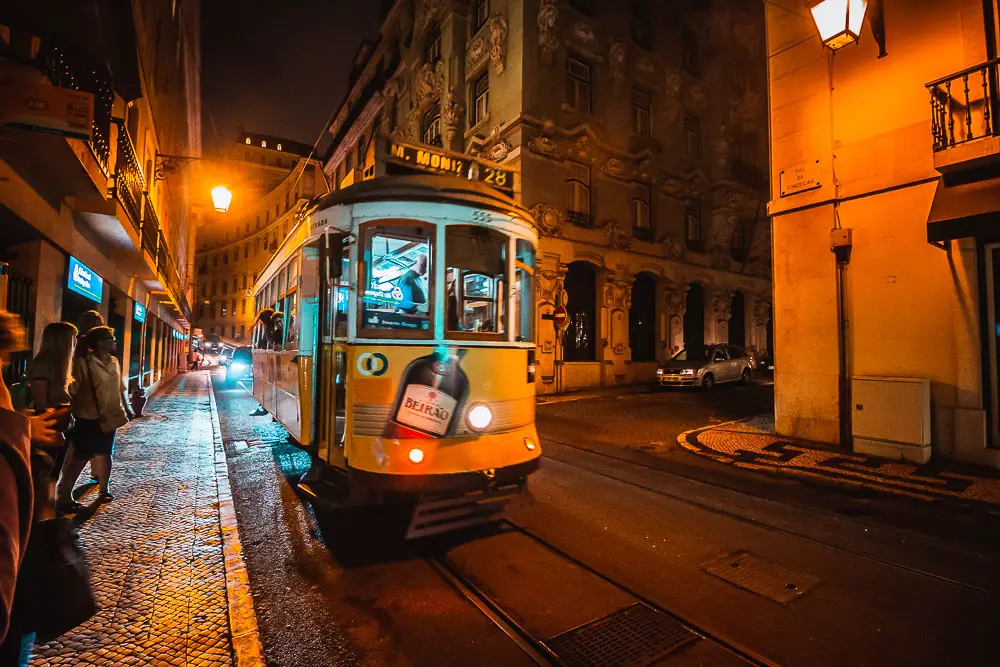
435, 160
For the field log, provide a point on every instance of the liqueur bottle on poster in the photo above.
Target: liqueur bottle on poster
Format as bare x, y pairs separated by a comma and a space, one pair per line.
431, 393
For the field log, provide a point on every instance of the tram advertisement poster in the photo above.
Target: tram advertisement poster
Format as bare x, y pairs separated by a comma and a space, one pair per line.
424, 391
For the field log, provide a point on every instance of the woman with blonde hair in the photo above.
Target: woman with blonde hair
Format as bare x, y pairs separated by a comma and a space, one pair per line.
51, 370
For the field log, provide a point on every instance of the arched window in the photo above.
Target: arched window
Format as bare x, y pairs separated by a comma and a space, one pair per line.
642, 318
263, 144
432, 128
581, 288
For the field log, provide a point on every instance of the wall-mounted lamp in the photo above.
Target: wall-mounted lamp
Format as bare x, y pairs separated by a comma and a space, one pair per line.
839, 21
221, 198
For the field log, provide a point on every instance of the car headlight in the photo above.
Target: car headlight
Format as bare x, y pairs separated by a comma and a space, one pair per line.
659, 371
687, 371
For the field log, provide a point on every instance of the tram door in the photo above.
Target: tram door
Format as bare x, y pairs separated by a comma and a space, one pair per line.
331, 387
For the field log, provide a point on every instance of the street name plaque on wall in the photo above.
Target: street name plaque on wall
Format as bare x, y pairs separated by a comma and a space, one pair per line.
801, 177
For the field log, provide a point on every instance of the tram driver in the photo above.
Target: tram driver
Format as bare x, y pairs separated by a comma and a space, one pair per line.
413, 285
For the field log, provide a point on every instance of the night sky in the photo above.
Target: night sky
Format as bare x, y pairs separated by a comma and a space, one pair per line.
278, 66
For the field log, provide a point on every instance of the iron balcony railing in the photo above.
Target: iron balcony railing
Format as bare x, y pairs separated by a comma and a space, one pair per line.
68, 70
150, 227
162, 256
964, 105
129, 183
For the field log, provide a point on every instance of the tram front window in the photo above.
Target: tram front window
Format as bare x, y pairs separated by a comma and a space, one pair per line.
524, 292
398, 280
476, 260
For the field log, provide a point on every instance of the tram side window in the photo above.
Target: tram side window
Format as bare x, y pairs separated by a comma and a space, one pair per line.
292, 337
398, 281
338, 298
524, 290
476, 261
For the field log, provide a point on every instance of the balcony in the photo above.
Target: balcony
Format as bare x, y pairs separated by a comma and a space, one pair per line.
964, 105
54, 161
129, 183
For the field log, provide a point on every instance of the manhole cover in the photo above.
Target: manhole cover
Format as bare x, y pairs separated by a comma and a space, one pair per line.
763, 577
635, 635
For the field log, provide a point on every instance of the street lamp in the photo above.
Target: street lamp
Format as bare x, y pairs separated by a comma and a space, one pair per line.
839, 21
221, 198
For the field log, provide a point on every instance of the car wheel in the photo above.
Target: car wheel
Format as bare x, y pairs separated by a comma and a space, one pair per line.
708, 382
745, 378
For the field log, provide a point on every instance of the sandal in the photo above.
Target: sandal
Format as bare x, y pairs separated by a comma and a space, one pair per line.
105, 497
69, 507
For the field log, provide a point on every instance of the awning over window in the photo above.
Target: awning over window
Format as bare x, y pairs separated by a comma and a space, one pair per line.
970, 210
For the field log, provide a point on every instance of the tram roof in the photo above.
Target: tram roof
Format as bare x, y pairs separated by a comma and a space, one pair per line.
420, 187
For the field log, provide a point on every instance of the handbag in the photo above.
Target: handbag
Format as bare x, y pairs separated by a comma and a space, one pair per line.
114, 422
54, 583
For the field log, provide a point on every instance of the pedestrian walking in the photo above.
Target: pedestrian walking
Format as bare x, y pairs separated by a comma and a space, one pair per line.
50, 375
100, 408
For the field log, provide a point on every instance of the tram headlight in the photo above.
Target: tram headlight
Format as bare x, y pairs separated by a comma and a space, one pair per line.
416, 455
529, 444
479, 417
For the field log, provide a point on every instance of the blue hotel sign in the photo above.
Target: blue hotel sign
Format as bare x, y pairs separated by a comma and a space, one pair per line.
83, 280
140, 313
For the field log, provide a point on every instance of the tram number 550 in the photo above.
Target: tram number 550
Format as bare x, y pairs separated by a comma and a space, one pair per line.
495, 177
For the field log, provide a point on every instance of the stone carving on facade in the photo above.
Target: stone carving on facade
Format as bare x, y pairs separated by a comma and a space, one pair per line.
721, 144
645, 67
745, 34
614, 168
451, 115
609, 295
720, 257
673, 87
686, 188
499, 151
585, 34
695, 98
617, 55
426, 12
548, 19
624, 297
618, 239
745, 108
548, 218
478, 52
722, 306
761, 312
675, 301
498, 42
543, 145
673, 249
550, 287
428, 84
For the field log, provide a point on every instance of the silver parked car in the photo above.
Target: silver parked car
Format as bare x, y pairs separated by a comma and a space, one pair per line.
706, 365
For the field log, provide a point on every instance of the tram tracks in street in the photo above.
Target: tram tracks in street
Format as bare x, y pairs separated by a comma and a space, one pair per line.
742, 518
591, 618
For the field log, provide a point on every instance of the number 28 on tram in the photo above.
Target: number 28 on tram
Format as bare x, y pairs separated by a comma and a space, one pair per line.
402, 355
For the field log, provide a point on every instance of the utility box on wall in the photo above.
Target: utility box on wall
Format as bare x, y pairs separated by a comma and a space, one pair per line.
891, 417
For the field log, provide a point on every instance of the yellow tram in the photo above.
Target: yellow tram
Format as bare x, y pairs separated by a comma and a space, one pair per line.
395, 340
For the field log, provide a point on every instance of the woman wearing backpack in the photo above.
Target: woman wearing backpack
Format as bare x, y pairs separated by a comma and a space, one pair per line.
100, 408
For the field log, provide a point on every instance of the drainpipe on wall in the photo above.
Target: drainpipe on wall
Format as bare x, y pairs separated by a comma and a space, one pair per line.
840, 245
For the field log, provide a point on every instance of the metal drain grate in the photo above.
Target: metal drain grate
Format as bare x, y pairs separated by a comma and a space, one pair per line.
763, 577
633, 636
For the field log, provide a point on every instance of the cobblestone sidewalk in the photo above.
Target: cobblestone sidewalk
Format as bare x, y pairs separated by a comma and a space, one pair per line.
753, 445
156, 553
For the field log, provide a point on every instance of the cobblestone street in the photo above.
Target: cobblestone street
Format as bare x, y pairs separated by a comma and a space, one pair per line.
156, 553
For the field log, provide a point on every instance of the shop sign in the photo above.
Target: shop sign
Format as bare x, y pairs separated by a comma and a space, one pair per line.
139, 313
83, 280
46, 108
435, 160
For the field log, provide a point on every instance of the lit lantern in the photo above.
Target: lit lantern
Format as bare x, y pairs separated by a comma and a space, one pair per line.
221, 198
839, 21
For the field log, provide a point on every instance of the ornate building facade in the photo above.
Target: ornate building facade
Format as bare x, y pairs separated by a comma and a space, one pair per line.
639, 134
272, 177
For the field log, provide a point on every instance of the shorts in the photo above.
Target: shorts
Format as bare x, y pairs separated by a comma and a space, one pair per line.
89, 440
